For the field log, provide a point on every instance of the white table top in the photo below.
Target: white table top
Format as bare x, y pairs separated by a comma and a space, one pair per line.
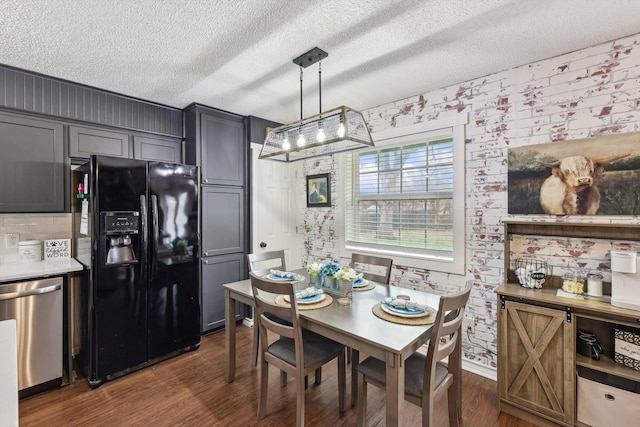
19, 271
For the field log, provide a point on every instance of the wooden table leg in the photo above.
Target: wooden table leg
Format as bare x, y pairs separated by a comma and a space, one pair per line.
229, 336
355, 359
395, 389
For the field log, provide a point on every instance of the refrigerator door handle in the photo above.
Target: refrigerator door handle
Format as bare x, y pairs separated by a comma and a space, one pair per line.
145, 236
155, 231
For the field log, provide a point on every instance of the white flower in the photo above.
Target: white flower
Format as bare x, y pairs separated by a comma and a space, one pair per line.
347, 274
314, 268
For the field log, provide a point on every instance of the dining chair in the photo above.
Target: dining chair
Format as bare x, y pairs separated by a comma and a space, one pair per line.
426, 377
376, 269
371, 267
296, 352
261, 263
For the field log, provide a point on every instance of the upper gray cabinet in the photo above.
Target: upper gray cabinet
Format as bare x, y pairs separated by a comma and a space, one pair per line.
157, 149
215, 140
32, 165
85, 141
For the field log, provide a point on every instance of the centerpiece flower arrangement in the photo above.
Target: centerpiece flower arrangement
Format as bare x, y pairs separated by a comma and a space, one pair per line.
314, 270
347, 273
330, 269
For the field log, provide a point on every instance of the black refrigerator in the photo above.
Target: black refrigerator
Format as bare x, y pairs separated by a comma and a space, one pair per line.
139, 223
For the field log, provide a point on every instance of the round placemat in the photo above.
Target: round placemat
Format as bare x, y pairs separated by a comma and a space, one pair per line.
320, 304
369, 286
426, 320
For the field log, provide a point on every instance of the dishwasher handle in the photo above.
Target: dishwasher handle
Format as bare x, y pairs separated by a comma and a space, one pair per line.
37, 291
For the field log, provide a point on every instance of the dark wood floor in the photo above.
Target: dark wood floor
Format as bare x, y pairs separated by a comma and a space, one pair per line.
190, 390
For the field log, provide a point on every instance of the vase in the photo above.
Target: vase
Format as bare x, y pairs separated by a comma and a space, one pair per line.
315, 280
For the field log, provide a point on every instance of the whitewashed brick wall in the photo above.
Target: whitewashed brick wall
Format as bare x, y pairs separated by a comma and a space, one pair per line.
591, 92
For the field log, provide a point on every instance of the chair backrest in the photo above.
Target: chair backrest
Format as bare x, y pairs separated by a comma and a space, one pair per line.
264, 294
377, 269
447, 326
265, 261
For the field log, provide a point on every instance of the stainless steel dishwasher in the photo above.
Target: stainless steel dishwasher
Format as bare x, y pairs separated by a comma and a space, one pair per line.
37, 307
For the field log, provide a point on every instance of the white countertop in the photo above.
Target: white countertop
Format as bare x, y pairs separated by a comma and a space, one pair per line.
31, 270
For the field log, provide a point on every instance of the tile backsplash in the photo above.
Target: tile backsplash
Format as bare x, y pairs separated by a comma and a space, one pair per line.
30, 227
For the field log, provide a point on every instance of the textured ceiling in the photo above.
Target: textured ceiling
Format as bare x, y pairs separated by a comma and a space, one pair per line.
237, 54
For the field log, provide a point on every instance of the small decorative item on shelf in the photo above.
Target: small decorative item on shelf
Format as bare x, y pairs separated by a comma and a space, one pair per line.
573, 282
314, 273
532, 273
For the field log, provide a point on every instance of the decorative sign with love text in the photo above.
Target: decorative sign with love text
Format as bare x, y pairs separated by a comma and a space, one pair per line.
57, 249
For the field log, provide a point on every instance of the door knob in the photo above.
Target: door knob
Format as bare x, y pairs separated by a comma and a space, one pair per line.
263, 245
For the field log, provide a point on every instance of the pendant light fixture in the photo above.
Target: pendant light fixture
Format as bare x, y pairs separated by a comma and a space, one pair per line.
334, 131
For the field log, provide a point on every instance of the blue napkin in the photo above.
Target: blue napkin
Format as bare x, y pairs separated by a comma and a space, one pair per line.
284, 274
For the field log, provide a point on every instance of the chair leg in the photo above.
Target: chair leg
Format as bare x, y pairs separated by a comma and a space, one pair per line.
452, 403
283, 378
264, 384
300, 391
255, 344
362, 401
342, 381
355, 359
318, 376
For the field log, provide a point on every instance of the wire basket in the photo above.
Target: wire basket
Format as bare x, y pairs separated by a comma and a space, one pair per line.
532, 273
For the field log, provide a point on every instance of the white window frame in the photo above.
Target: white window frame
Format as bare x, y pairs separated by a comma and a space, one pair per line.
448, 127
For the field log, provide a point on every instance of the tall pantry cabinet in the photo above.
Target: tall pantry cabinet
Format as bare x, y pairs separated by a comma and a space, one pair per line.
215, 140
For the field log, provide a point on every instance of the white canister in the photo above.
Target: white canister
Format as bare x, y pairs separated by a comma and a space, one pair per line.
30, 251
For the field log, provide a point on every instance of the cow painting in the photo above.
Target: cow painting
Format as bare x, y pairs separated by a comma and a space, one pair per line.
571, 188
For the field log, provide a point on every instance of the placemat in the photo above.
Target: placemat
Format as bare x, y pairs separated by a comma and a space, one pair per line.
320, 304
426, 320
365, 288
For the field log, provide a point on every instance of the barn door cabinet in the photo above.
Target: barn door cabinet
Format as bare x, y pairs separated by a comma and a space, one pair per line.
538, 367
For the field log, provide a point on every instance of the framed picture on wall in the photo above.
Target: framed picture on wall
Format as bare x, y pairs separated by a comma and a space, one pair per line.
318, 191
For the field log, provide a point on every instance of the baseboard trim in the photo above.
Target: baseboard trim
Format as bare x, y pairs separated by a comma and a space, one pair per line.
480, 369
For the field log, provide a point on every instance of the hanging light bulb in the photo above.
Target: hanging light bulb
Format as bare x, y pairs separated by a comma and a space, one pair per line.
285, 143
341, 130
301, 141
320, 136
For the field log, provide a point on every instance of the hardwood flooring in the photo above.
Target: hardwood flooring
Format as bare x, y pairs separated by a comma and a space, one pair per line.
190, 390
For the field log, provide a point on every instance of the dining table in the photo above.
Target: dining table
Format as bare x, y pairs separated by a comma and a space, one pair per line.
354, 325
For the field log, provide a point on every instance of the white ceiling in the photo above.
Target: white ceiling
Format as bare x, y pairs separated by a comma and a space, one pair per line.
237, 54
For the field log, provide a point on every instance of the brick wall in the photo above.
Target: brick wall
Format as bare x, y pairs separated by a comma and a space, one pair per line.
591, 92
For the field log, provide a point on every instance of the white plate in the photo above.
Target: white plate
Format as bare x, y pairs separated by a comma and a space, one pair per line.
403, 312
296, 278
360, 284
309, 300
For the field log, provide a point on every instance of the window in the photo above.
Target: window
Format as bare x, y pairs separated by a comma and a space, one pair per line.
405, 199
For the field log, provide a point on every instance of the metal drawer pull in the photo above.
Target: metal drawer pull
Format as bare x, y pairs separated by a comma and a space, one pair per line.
609, 397
21, 294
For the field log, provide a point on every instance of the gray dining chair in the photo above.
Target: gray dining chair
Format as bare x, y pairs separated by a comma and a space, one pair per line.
374, 268
296, 352
426, 377
377, 269
261, 263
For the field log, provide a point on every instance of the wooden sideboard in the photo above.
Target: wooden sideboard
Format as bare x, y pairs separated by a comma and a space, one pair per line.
537, 360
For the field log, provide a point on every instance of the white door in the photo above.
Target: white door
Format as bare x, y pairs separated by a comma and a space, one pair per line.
274, 210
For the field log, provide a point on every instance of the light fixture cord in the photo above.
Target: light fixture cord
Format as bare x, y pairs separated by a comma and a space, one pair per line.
320, 87
300, 93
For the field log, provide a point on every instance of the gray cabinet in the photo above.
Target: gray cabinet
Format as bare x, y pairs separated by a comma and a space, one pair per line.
216, 271
32, 166
223, 150
216, 141
223, 223
258, 128
85, 141
157, 149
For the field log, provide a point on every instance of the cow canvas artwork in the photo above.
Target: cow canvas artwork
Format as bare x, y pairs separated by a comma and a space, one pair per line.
594, 176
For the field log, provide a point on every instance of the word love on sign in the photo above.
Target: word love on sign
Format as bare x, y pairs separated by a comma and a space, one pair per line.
57, 248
